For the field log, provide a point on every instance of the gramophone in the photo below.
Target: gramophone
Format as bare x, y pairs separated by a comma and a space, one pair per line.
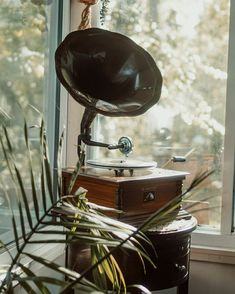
110, 74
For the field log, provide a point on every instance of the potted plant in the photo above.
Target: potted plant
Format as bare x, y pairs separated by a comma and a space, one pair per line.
69, 219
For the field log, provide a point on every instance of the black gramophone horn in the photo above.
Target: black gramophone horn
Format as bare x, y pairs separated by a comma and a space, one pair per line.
108, 73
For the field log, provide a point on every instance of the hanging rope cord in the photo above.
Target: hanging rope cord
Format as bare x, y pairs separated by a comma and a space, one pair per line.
86, 14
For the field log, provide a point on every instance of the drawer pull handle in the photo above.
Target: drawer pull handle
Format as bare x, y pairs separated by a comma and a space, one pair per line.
180, 268
149, 196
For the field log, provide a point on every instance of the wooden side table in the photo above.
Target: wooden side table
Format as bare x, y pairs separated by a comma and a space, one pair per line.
172, 244
130, 194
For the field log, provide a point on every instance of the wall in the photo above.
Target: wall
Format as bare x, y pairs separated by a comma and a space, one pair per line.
208, 278
211, 278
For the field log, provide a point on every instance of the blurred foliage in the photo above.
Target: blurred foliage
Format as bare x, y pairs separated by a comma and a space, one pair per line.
23, 41
190, 48
192, 60
104, 10
24, 35
189, 42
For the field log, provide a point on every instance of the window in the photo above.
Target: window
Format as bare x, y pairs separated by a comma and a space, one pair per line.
193, 44
190, 43
28, 38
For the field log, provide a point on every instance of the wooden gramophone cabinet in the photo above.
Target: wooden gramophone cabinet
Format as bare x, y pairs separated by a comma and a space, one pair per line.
138, 197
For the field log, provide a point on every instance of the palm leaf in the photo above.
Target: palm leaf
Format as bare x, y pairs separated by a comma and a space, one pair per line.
107, 268
44, 279
84, 223
8, 140
39, 284
65, 271
14, 172
76, 172
15, 232
59, 162
4, 114
46, 171
98, 274
24, 196
33, 187
5, 153
22, 223
26, 286
43, 189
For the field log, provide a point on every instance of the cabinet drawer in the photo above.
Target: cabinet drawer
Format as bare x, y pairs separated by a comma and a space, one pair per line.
134, 196
147, 198
169, 273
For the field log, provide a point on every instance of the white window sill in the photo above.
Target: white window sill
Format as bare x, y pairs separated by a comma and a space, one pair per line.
49, 252
212, 255
212, 246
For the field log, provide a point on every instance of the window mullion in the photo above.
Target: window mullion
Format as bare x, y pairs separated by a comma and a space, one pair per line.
228, 170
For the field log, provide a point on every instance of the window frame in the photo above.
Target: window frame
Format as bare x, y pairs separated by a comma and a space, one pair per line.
203, 238
59, 27
229, 158
225, 239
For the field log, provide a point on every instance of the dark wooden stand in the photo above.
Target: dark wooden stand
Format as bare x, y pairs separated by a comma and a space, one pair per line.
139, 196
172, 244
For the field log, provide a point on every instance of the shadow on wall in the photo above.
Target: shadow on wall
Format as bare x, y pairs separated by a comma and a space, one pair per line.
211, 278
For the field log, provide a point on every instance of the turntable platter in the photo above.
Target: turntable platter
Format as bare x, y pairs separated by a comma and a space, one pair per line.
120, 165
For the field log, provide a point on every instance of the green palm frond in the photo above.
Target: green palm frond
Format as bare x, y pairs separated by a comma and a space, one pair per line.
70, 219
110, 232
30, 273
32, 180
59, 163
46, 170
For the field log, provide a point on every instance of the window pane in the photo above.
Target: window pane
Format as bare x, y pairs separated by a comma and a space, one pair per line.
189, 41
24, 41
